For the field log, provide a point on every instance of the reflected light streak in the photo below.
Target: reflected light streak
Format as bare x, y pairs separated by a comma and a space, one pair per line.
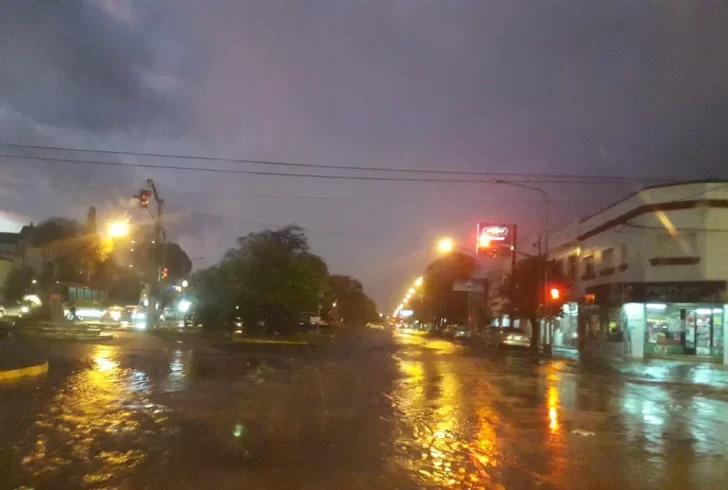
553, 404
665, 221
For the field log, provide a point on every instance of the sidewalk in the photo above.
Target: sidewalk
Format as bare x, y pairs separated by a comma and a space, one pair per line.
714, 376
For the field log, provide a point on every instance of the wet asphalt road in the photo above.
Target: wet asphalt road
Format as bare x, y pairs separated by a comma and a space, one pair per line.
374, 412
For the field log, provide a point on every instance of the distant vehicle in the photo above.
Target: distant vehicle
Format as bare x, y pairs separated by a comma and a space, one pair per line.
134, 316
14, 309
308, 321
506, 337
449, 331
113, 315
375, 326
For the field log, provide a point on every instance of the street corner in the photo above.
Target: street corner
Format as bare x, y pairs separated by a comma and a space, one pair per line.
13, 374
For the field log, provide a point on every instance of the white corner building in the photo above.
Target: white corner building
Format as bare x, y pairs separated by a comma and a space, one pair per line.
648, 275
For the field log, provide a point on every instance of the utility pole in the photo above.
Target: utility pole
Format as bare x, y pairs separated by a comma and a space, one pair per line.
514, 252
157, 259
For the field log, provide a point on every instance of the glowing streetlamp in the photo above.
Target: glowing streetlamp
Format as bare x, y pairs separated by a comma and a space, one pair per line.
419, 281
411, 291
445, 245
118, 229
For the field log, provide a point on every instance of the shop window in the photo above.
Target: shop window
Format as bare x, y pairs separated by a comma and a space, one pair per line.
589, 270
684, 329
665, 325
718, 328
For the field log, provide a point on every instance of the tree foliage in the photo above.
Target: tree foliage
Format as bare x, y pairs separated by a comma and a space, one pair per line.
268, 280
438, 300
176, 260
70, 252
18, 283
352, 304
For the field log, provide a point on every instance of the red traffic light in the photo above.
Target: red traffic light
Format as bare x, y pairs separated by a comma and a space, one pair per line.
555, 293
165, 273
144, 197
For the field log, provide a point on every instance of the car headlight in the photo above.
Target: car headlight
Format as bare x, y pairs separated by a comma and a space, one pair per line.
24, 309
115, 315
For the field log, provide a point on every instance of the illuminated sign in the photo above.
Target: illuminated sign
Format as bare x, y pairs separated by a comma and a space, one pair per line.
405, 313
494, 240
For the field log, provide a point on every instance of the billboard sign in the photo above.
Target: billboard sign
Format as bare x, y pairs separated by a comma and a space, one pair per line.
468, 286
494, 240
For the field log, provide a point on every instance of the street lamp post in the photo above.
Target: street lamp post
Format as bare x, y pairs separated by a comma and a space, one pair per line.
545, 276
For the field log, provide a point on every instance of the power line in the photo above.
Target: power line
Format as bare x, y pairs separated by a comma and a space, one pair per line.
337, 167
313, 230
369, 199
297, 175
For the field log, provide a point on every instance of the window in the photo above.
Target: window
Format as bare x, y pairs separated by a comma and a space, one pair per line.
607, 262
589, 271
573, 266
623, 257
666, 245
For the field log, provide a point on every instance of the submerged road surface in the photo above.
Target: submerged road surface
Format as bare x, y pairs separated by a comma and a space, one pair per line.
376, 412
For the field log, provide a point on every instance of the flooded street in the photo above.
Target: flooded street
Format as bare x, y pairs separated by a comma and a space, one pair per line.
375, 412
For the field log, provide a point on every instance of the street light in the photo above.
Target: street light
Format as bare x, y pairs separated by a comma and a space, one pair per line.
445, 245
411, 291
118, 229
419, 280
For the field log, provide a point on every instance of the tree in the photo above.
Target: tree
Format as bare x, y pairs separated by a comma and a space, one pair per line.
524, 293
18, 283
352, 304
268, 280
176, 260
438, 298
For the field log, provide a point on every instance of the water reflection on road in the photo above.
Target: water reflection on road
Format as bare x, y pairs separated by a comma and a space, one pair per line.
473, 421
422, 413
99, 426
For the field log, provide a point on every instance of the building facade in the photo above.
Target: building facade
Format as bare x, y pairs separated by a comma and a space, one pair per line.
647, 276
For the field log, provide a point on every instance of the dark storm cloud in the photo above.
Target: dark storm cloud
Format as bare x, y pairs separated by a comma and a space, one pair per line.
619, 88
86, 65
88, 74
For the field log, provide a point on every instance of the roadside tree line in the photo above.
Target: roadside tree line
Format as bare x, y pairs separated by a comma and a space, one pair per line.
270, 279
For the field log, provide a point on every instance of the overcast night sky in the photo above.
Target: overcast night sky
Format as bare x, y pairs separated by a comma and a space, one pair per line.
624, 88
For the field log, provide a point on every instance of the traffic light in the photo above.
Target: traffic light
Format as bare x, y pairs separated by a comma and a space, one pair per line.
555, 293
165, 273
144, 196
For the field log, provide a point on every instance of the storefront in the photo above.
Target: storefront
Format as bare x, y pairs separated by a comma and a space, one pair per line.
562, 331
667, 319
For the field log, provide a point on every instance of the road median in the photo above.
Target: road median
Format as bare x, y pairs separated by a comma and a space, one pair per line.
23, 372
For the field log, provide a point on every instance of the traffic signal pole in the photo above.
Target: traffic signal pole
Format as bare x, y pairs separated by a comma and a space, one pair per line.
157, 259
514, 234
158, 248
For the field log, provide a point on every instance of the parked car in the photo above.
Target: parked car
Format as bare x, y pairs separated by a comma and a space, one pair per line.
14, 309
449, 331
457, 332
506, 337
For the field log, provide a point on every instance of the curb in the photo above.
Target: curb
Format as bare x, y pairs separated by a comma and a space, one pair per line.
13, 374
